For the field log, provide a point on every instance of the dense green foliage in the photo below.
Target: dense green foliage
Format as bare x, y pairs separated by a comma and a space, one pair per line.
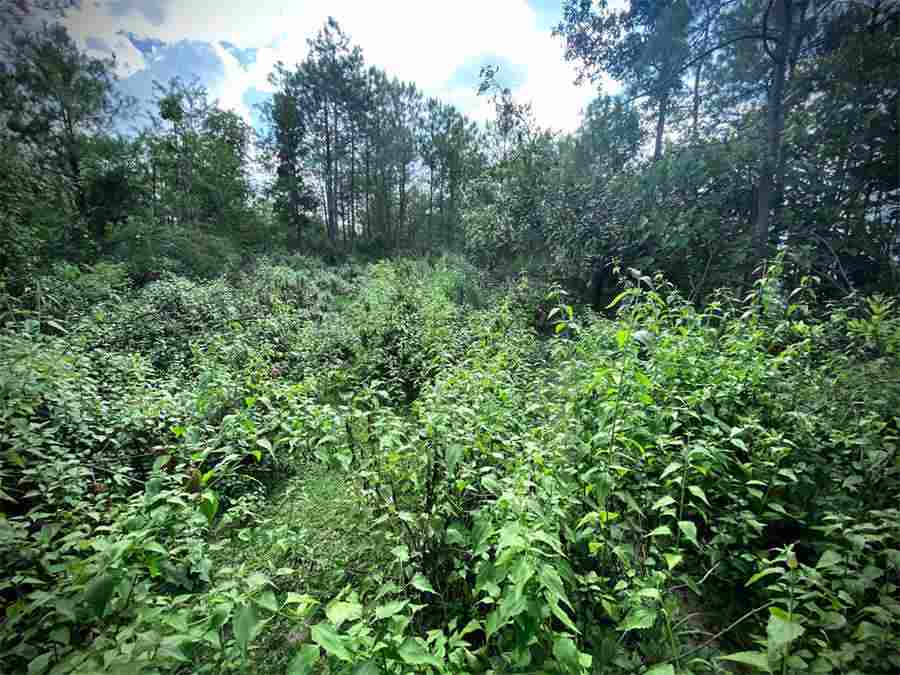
674, 490
375, 389
766, 132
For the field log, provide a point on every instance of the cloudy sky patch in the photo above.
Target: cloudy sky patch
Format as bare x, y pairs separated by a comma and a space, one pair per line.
152, 10
184, 59
232, 46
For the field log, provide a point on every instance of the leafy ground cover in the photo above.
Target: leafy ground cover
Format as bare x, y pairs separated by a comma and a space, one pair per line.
399, 467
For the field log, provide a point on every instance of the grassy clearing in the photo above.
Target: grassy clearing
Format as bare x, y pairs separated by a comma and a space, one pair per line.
312, 537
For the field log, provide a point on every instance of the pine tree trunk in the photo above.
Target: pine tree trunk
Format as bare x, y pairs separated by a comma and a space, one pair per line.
661, 126
774, 130
695, 112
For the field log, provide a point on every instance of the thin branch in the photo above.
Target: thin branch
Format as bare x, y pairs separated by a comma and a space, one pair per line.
765, 30
690, 62
722, 632
702, 281
837, 260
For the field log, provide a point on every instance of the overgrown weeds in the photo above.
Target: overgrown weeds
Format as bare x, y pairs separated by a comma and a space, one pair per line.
674, 491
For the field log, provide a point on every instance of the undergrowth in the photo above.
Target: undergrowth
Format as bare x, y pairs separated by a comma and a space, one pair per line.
398, 467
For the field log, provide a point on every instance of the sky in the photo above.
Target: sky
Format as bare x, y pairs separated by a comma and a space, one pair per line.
232, 45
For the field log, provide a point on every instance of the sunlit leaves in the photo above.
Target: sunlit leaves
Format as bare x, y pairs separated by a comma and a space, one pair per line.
209, 505
421, 583
639, 618
661, 669
246, 626
689, 530
390, 609
663, 502
339, 612
781, 630
661, 531
757, 660
305, 661
414, 652
673, 559
328, 638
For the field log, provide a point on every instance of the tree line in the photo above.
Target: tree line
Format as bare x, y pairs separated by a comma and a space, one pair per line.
368, 154
744, 127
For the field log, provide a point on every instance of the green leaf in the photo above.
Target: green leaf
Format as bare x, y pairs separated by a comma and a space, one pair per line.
553, 583
616, 300
339, 612
420, 582
672, 468
788, 473
781, 631
663, 502
246, 624
642, 378
264, 443
566, 653
61, 635
414, 652
324, 635
513, 604
267, 600
759, 575
173, 648
756, 659
868, 631
821, 665
492, 624
652, 593
218, 618
401, 553
662, 669
257, 580
209, 505
57, 326
39, 664
299, 599
366, 668
672, 559
304, 662
661, 531
699, 493
452, 456
638, 618
156, 547
829, 559
99, 592
390, 609
689, 530
560, 614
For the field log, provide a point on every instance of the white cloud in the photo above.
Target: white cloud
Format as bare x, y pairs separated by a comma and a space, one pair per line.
417, 40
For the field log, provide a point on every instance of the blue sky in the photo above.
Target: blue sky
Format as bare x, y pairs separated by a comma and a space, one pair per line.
231, 45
